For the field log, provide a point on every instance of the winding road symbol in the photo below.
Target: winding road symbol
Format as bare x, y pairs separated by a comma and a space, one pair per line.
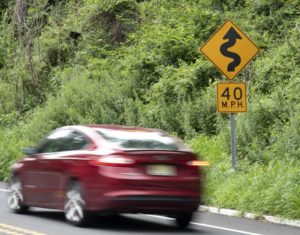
229, 49
232, 35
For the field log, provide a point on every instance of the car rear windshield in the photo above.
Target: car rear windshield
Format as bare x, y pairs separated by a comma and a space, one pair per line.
141, 140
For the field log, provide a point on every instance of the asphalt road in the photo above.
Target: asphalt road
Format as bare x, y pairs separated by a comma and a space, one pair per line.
50, 222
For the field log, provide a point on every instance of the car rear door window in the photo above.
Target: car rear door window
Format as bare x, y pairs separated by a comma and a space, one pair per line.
137, 139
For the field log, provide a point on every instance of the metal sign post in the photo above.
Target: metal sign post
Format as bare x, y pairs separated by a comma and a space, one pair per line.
232, 137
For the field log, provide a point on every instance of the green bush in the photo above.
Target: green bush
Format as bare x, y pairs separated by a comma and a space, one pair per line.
261, 189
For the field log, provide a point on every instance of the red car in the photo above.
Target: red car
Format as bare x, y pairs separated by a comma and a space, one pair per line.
108, 169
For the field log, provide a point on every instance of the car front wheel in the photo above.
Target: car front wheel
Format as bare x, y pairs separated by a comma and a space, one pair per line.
15, 199
74, 205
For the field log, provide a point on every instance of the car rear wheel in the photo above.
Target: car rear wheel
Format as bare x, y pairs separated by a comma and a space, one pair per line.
15, 199
74, 210
183, 220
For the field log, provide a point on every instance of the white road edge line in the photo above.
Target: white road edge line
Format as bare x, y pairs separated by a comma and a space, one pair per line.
236, 213
210, 226
224, 228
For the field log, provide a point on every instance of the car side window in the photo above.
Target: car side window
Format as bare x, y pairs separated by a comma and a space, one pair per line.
63, 140
75, 141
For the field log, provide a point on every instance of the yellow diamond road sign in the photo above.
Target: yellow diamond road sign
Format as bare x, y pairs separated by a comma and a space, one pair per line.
231, 97
229, 49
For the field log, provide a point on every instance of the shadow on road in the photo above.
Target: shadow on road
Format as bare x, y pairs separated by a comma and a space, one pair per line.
125, 223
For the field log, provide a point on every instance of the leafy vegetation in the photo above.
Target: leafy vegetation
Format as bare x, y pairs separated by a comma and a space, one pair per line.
137, 62
270, 188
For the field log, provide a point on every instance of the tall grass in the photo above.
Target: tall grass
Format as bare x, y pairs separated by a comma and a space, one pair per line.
272, 189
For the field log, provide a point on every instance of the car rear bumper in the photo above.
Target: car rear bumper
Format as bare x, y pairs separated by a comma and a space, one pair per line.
151, 202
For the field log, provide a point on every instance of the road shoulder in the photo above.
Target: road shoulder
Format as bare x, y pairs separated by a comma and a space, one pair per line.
235, 213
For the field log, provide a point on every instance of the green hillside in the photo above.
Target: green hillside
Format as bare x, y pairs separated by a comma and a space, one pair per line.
137, 62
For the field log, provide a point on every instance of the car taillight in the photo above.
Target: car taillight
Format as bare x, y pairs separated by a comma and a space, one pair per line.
197, 163
113, 160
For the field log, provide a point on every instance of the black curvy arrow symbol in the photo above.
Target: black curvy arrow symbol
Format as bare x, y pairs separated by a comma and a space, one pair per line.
232, 35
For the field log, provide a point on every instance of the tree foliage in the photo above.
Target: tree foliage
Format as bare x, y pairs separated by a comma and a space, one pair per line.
138, 63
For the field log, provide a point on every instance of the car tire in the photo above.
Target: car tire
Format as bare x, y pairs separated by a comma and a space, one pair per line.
74, 205
15, 199
183, 220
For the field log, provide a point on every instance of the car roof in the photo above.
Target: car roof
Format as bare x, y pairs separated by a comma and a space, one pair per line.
121, 127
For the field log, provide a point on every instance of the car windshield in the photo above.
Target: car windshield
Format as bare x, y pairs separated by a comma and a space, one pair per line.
141, 139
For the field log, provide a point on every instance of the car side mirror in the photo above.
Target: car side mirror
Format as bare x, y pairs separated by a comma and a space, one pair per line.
29, 150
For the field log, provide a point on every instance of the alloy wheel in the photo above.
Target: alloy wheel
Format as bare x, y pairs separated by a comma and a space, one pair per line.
15, 199
74, 206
